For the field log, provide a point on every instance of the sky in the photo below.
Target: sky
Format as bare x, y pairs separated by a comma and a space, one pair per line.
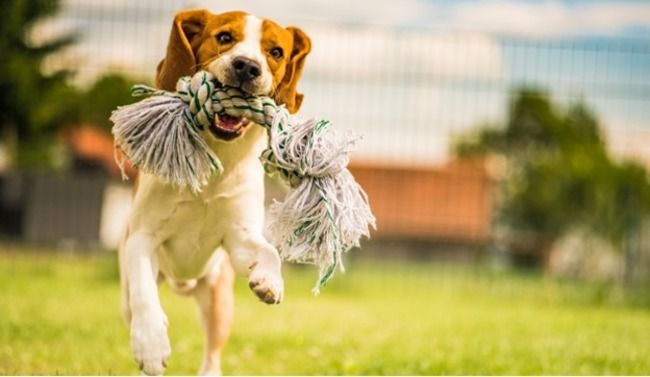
411, 75
532, 18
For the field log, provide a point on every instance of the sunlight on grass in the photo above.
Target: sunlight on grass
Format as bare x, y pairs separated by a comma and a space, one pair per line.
59, 314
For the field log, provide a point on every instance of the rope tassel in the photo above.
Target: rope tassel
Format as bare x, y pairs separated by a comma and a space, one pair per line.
324, 215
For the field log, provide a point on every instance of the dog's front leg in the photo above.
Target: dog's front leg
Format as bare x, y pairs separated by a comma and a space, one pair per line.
252, 255
149, 340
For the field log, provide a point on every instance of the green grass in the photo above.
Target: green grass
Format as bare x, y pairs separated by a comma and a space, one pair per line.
59, 314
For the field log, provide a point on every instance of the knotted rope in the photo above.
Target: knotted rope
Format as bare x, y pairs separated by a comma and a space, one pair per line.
325, 214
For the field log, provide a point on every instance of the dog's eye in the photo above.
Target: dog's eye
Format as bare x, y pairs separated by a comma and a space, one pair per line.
224, 37
277, 52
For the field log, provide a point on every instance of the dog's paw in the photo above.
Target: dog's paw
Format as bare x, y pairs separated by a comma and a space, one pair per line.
150, 343
267, 285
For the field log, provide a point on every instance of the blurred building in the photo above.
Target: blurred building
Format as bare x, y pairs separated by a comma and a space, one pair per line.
448, 203
83, 207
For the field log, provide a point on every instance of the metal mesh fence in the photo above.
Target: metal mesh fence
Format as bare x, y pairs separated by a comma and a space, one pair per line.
409, 91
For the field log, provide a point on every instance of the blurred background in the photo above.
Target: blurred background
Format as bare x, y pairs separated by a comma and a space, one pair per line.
505, 152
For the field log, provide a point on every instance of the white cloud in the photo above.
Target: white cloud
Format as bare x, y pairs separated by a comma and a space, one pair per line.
549, 18
376, 12
546, 18
628, 141
380, 54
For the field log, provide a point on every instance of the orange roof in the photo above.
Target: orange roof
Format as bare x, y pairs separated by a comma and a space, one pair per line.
450, 202
89, 143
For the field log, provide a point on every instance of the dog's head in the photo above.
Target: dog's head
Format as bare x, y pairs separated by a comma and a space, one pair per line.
240, 50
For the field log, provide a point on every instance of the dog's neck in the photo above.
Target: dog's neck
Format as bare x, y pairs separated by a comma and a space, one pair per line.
239, 157
247, 146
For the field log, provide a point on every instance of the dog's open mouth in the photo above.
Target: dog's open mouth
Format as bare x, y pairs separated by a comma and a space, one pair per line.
228, 127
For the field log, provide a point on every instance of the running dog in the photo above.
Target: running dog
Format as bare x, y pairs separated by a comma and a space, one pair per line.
196, 242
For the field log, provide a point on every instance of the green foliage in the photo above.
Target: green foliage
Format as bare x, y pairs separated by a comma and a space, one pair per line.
23, 86
34, 107
560, 174
107, 93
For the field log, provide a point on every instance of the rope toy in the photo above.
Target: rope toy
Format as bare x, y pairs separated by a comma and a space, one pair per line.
324, 215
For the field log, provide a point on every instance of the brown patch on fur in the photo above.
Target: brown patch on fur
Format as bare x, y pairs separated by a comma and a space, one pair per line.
287, 70
209, 49
192, 43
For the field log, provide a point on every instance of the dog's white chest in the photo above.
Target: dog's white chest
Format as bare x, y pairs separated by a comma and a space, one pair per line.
187, 227
195, 232
192, 227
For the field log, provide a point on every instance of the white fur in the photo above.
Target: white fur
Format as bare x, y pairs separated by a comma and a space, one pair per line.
250, 47
176, 233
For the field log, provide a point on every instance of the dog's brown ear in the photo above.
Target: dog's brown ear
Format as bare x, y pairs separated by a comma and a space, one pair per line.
286, 91
180, 60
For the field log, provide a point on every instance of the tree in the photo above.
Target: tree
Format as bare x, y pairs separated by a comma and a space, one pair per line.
559, 174
106, 94
28, 117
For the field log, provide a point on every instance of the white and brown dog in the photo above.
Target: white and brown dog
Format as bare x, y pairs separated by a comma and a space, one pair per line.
193, 241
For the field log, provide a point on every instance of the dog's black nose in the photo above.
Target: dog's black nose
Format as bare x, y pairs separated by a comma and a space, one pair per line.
246, 69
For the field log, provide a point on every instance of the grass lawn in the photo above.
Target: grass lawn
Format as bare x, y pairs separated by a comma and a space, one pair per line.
59, 314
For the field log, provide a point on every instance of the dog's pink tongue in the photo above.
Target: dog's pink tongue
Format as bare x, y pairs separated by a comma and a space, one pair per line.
228, 121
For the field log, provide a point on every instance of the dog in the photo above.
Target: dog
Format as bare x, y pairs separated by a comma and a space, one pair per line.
197, 242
